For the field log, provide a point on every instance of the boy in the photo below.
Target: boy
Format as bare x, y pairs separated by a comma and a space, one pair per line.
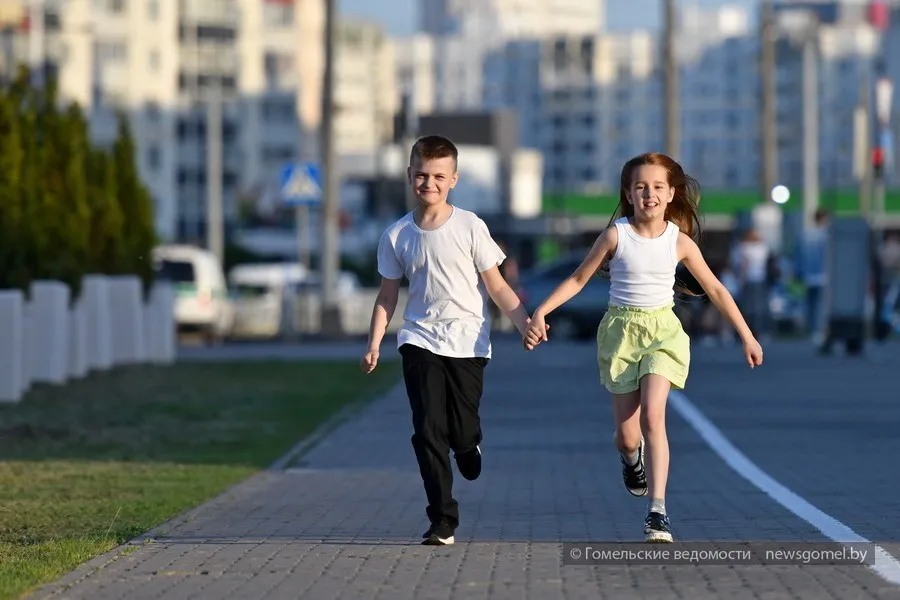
450, 260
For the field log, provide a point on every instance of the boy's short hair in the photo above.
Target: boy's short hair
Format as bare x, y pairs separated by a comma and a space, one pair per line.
432, 147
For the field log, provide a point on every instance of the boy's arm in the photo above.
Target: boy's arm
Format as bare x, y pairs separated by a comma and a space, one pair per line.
383, 312
505, 298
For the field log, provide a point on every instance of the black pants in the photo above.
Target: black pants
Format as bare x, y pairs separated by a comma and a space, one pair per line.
444, 395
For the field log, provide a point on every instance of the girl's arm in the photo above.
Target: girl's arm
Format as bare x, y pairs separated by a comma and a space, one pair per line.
603, 248
690, 255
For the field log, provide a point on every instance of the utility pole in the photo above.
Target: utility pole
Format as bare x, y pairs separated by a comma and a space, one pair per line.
302, 213
884, 93
862, 150
769, 136
215, 234
330, 316
672, 111
810, 125
36, 41
410, 127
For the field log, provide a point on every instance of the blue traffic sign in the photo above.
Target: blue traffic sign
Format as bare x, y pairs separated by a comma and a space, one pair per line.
301, 184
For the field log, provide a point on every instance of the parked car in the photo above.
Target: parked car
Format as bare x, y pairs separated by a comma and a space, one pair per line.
201, 293
263, 296
579, 317
266, 296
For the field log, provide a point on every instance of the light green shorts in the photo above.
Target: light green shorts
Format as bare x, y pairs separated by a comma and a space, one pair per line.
633, 342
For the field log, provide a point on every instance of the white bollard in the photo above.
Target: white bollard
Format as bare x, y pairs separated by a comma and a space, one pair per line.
50, 331
95, 297
78, 346
12, 345
151, 330
162, 299
28, 352
127, 320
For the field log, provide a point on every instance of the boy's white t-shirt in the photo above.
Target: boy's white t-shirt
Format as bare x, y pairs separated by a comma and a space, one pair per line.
447, 310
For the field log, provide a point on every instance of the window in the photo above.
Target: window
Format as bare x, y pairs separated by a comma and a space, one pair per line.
153, 157
278, 15
153, 9
176, 271
110, 51
153, 60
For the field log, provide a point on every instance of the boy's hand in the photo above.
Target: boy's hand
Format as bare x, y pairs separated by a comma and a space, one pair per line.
369, 361
753, 353
536, 333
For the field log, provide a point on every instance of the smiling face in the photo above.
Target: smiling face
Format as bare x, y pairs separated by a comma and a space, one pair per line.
432, 179
650, 192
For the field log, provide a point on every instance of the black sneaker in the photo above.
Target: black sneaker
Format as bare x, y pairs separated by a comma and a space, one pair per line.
469, 463
440, 534
634, 475
657, 529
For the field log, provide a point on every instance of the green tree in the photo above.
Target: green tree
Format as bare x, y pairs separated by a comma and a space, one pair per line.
67, 208
54, 199
106, 251
35, 234
138, 225
13, 272
74, 140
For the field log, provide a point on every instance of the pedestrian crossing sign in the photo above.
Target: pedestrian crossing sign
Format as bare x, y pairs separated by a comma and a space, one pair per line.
301, 184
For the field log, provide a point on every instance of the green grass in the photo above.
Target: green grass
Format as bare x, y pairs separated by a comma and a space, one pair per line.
90, 465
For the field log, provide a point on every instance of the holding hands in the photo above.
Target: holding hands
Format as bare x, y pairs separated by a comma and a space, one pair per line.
535, 333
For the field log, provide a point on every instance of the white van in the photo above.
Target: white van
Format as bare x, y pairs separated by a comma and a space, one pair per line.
268, 297
262, 295
201, 292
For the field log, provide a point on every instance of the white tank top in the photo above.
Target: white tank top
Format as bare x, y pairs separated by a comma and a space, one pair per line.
642, 270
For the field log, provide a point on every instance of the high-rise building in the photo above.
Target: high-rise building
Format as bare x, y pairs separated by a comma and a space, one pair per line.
465, 31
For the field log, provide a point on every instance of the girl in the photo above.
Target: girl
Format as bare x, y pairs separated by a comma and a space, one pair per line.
642, 350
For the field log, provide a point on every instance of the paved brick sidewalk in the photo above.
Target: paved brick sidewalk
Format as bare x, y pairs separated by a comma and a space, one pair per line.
346, 523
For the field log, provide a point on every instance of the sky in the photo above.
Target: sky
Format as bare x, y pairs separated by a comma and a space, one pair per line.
399, 17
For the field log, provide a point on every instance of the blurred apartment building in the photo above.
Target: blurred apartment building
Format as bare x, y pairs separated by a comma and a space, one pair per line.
464, 31
589, 102
849, 54
253, 66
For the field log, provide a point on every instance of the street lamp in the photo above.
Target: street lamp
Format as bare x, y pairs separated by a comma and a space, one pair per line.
884, 92
780, 194
802, 27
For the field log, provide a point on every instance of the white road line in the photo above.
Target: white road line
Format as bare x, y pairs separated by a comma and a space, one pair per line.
885, 564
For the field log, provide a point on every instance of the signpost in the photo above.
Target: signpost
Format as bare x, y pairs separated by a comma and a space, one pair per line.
301, 187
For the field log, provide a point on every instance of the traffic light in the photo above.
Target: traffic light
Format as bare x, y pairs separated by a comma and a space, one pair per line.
878, 162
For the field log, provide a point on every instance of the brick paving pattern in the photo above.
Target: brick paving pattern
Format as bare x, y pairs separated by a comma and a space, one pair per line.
345, 520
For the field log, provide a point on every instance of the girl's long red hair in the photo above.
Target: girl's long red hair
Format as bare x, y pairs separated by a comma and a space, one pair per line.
684, 210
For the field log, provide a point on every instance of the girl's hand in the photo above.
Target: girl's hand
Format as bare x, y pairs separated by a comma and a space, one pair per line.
753, 353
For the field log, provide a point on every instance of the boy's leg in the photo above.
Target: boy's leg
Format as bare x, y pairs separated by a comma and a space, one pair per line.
628, 441
465, 386
426, 386
654, 395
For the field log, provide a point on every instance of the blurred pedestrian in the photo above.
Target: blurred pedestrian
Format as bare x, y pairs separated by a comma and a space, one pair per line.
812, 269
753, 273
